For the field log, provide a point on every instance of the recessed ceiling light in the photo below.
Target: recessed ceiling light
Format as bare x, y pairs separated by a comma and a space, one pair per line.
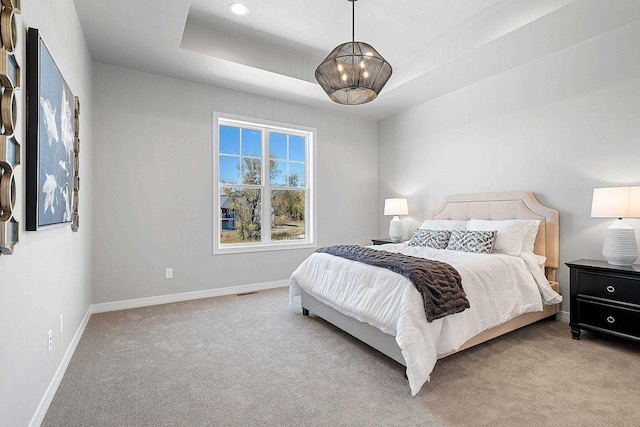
238, 9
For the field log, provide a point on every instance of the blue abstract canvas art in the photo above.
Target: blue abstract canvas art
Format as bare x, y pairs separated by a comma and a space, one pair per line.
50, 155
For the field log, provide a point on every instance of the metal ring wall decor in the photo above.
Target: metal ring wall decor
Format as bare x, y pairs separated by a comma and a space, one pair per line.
8, 29
7, 196
12, 4
8, 111
9, 160
9, 146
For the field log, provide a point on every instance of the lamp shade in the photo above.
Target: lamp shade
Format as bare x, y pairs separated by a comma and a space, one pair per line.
616, 202
354, 73
619, 246
396, 207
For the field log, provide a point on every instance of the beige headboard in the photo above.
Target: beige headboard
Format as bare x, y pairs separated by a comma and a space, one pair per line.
512, 205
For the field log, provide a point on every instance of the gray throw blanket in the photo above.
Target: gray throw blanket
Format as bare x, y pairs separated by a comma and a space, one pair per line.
439, 283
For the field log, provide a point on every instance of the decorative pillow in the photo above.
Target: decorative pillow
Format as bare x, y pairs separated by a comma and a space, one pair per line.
443, 224
511, 233
436, 239
480, 242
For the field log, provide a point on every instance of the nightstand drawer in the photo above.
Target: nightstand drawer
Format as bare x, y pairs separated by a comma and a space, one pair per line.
609, 286
611, 318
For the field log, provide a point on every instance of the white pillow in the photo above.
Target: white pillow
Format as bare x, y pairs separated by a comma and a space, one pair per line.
511, 233
530, 238
443, 224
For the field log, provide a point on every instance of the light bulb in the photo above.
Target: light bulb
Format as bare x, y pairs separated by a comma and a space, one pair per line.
340, 67
344, 77
365, 74
238, 9
361, 64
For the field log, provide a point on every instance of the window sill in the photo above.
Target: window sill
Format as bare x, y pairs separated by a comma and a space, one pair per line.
239, 249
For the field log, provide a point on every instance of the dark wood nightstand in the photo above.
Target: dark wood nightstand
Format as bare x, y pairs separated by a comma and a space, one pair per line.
382, 241
605, 298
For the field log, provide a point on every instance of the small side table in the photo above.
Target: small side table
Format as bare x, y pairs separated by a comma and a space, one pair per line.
382, 241
605, 298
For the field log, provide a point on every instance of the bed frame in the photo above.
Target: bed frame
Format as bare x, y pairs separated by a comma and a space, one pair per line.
494, 206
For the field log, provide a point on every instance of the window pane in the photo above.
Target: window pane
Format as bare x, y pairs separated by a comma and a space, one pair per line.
296, 175
240, 215
297, 148
278, 173
288, 208
229, 140
251, 142
229, 169
251, 170
278, 145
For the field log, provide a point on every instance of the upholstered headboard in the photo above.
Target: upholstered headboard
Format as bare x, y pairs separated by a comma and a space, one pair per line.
512, 205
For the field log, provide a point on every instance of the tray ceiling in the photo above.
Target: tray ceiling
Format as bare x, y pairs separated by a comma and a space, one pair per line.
434, 46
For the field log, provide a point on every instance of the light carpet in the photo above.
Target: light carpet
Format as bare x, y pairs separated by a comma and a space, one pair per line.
253, 361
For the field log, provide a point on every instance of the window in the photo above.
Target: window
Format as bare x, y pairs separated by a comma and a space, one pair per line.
263, 185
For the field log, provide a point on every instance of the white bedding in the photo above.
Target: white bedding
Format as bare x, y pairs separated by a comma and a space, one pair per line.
498, 287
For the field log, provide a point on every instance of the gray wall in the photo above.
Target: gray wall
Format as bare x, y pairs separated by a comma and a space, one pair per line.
153, 184
50, 272
558, 127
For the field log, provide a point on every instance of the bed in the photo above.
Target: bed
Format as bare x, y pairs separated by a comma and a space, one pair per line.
380, 307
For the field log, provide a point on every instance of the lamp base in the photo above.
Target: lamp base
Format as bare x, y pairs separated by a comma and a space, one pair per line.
395, 229
620, 247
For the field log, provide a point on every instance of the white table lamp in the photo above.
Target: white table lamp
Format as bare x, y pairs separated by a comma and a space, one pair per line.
395, 207
619, 246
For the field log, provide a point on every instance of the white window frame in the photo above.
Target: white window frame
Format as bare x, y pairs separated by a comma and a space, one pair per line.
266, 244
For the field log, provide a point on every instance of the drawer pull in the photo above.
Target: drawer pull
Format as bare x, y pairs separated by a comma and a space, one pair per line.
611, 319
611, 289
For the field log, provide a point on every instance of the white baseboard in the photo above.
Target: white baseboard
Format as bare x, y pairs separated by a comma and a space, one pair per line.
185, 296
43, 406
563, 316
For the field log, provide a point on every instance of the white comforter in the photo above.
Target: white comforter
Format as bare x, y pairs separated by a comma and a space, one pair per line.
498, 287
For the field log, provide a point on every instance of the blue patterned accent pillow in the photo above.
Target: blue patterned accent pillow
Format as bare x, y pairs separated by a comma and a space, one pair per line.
480, 242
436, 239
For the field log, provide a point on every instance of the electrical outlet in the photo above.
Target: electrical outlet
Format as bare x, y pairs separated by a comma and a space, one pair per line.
61, 324
169, 273
49, 341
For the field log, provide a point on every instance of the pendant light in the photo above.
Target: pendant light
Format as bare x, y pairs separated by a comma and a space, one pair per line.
354, 73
